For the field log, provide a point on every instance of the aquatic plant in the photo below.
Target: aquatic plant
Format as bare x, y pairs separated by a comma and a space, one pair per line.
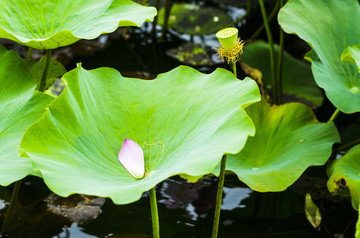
182, 119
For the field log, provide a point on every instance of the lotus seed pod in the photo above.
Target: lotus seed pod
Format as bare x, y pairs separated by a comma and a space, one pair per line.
227, 37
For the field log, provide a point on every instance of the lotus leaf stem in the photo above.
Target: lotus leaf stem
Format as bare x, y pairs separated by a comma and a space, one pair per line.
45, 72
280, 61
248, 9
270, 17
167, 9
154, 213
274, 83
334, 115
29, 53
10, 209
219, 198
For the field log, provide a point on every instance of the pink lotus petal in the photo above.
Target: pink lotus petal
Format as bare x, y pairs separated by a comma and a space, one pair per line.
131, 156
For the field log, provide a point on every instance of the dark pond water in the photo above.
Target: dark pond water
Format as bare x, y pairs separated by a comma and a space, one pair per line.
185, 210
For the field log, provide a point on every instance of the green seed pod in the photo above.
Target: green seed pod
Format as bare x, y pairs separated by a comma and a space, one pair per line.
227, 37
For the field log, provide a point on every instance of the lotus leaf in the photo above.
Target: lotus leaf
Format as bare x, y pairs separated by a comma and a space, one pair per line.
49, 24
184, 120
330, 27
344, 175
288, 140
20, 106
297, 76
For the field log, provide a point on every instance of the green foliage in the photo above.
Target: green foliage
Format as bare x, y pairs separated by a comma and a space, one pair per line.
185, 121
344, 175
297, 77
20, 106
288, 140
331, 27
36, 68
49, 24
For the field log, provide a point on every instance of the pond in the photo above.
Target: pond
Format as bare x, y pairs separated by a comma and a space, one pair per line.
249, 209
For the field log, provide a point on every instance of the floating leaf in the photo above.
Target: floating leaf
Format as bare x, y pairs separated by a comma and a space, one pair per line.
184, 120
49, 24
297, 76
312, 212
20, 106
192, 19
36, 68
193, 54
331, 27
288, 140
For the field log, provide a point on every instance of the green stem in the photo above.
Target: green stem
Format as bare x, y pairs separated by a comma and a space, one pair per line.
280, 61
46, 69
10, 209
248, 9
154, 213
270, 17
348, 145
219, 198
271, 51
29, 53
166, 19
334, 115
233, 67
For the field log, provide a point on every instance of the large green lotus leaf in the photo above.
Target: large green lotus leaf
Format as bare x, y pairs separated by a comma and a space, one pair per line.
288, 140
20, 106
344, 174
185, 121
329, 26
297, 77
49, 24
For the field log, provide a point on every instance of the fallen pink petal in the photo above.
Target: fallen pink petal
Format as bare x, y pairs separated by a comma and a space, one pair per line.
131, 156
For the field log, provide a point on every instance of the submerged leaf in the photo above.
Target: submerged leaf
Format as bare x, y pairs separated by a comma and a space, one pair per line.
49, 24
20, 106
186, 121
192, 19
288, 140
312, 212
331, 27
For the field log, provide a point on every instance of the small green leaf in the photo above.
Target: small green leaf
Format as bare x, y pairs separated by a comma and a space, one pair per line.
312, 212
288, 140
184, 120
49, 24
331, 27
344, 174
36, 68
352, 54
297, 77
20, 106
